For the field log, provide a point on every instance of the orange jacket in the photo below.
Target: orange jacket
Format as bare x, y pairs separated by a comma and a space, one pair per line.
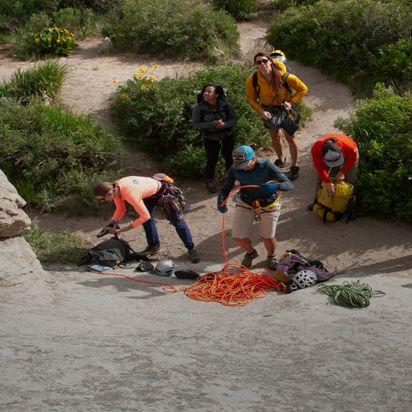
348, 149
267, 94
133, 189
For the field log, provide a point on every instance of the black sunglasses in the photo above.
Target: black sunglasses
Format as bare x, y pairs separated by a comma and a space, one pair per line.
263, 61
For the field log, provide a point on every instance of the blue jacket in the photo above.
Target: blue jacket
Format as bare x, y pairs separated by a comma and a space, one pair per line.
263, 172
204, 118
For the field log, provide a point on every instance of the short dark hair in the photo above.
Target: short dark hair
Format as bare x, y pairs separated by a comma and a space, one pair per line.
102, 188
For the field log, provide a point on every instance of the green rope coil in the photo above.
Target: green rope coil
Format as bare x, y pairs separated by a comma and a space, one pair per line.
353, 294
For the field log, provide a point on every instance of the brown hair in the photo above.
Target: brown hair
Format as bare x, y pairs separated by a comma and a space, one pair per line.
276, 78
102, 188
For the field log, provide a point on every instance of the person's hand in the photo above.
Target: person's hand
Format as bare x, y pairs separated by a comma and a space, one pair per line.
340, 176
266, 115
287, 106
219, 123
220, 207
269, 188
330, 187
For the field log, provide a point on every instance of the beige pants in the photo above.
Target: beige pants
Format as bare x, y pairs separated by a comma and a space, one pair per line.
245, 217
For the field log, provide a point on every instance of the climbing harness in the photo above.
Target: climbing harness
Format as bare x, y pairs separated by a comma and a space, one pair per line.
353, 294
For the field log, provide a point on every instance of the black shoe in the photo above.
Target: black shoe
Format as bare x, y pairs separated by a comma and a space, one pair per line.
310, 207
279, 163
293, 172
150, 250
193, 256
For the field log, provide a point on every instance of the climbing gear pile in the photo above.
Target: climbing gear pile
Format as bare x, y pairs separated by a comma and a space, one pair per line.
352, 294
233, 285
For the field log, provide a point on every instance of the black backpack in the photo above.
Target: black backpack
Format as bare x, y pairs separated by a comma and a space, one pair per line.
111, 252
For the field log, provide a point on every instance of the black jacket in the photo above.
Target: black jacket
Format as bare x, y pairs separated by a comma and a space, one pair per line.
204, 117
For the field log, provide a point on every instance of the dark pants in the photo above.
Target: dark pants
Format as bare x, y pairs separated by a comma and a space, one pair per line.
212, 149
176, 220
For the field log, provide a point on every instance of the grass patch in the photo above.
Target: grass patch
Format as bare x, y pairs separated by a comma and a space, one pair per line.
61, 247
43, 81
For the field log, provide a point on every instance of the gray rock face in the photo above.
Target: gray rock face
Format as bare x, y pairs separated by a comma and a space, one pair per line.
13, 220
16, 256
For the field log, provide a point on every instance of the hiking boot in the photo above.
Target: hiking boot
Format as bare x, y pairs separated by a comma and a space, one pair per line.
211, 187
248, 258
193, 256
271, 262
293, 172
150, 250
279, 163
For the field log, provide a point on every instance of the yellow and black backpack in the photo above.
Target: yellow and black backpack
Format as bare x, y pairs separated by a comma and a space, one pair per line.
331, 208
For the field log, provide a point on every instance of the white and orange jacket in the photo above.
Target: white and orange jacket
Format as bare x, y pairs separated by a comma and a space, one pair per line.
133, 189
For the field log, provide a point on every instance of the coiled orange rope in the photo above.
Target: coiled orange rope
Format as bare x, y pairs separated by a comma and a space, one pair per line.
232, 288
234, 284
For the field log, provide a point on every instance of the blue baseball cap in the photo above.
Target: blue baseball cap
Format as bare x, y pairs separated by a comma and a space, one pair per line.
241, 156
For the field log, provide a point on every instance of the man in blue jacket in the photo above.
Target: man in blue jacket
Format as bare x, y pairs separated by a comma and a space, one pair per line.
260, 202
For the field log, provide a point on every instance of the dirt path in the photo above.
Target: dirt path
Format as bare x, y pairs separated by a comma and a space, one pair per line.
77, 341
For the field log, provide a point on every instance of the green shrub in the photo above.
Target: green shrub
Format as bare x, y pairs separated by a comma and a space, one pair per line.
61, 247
13, 13
82, 22
382, 128
343, 37
42, 81
157, 115
53, 157
54, 41
395, 64
24, 43
172, 28
282, 5
239, 9
100, 6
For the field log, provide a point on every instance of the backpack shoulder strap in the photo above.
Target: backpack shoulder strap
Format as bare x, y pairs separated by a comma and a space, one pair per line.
255, 83
285, 82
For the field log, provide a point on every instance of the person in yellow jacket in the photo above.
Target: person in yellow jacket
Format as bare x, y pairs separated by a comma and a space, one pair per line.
272, 91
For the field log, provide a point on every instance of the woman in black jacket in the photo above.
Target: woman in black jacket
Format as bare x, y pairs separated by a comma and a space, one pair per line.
216, 117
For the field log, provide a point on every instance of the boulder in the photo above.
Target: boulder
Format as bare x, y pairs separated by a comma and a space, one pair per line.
16, 256
13, 220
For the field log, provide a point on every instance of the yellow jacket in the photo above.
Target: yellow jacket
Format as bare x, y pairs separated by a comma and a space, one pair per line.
267, 94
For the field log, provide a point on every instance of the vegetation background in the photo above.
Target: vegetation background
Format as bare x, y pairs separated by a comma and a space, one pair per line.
365, 44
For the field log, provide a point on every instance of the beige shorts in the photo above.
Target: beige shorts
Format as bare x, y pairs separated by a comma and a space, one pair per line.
245, 217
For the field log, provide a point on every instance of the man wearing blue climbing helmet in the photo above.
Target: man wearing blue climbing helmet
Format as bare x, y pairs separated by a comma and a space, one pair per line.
259, 200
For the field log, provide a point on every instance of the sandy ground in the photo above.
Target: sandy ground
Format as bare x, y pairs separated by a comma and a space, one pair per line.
72, 340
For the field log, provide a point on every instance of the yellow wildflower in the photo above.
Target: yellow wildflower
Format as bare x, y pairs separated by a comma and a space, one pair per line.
124, 96
138, 75
114, 81
58, 41
49, 39
151, 78
141, 69
142, 88
154, 66
37, 40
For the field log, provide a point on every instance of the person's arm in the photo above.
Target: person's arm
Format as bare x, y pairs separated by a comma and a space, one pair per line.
197, 122
282, 182
120, 209
300, 88
231, 117
351, 156
228, 185
319, 162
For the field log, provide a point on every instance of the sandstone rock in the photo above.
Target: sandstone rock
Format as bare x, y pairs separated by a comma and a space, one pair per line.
13, 220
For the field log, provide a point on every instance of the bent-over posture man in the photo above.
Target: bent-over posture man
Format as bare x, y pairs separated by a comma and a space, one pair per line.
261, 202
144, 194
335, 157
